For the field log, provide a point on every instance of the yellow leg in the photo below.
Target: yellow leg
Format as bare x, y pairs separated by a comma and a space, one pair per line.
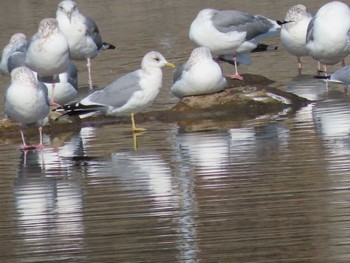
134, 129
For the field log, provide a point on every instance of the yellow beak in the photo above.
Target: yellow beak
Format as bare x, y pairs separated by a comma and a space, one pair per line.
170, 65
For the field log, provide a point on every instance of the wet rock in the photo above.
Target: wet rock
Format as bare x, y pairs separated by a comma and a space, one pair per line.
249, 98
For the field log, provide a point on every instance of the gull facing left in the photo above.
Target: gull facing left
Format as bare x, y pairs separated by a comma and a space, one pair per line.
293, 34
27, 103
129, 94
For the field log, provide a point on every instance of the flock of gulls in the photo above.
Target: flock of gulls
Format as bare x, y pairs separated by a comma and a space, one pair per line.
43, 74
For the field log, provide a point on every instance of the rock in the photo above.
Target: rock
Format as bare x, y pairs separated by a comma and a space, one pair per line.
249, 98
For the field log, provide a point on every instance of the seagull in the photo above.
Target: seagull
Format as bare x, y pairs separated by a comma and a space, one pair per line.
129, 94
342, 76
26, 102
327, 39
199, 75
82, 34
231, 32
18, 43
293, 34
48, 52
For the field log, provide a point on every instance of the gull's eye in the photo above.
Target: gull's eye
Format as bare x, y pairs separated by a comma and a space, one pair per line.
157, 59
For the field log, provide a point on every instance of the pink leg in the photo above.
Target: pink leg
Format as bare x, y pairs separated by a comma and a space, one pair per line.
52, 102
24, 146
236, 75
299, 65
89, 71
40, 146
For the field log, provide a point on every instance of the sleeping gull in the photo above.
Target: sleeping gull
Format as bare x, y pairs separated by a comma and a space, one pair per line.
293, 34
26, 102
18, 43
231, 32
327, 38
48, 52
199, 75
128, 94
82, 34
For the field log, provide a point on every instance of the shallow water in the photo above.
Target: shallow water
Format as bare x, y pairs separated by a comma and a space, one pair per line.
272, 189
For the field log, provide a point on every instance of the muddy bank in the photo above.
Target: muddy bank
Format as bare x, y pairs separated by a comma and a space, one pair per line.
249, 98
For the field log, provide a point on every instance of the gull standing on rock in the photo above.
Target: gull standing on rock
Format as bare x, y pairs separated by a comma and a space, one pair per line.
82, 33
26, 102
128, 94
199, 75
293, 34
231, 32
48, 52
18, 43
328, 39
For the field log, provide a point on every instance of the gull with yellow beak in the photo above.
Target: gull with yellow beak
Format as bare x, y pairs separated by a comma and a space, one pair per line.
129, 94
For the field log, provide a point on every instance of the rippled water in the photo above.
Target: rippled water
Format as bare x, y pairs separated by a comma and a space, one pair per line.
272, 189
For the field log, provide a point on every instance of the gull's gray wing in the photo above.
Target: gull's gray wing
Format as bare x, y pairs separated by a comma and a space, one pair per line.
310, 31
43, 87
117, 93
93, 32
73, 75
231, 20
17, 59
179, 71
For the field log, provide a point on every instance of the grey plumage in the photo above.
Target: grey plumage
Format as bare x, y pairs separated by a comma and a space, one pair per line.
232, 20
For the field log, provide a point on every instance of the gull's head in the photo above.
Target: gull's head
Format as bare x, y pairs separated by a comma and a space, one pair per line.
47, 27
297, 13
154, 59
206, 13
17, 38
23, 76
68, 8
198, 54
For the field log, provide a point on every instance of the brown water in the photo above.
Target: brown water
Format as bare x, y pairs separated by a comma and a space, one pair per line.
273, 189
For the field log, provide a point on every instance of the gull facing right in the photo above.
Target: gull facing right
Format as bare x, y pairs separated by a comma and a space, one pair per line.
231, 32
129, 94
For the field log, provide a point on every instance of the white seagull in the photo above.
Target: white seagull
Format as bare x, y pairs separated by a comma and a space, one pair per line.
18, 43
231, 32
199, 75
328, 38
128, 94
48, 52
26, 102
293, 34
82, 33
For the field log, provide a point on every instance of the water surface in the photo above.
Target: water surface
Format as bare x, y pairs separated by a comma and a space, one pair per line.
272, 189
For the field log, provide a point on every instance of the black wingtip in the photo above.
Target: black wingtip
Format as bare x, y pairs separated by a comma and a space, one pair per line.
322, 77
263, 47
279, 22
106, 45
